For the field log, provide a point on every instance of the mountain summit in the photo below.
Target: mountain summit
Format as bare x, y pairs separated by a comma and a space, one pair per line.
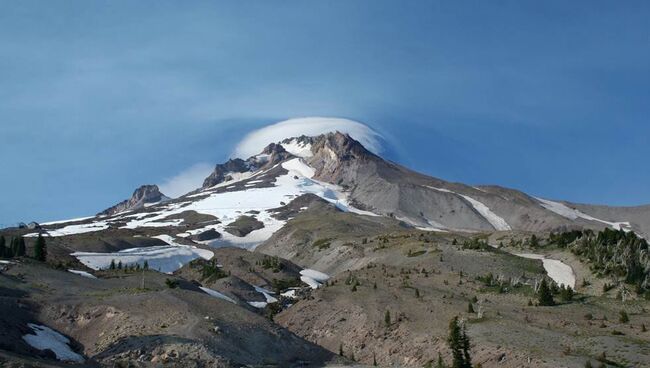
340, 170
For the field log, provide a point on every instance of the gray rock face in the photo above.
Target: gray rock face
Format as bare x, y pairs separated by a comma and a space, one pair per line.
146, 194
271, 155
391, 190
206, 235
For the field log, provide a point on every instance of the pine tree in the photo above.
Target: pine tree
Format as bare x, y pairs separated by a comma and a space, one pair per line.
465, 346
441, 363
623, 317
455, 344
566, 293
112, 266
374, 360
417, 293
119, 265
20, 247
544, 295
146, 264
341, 349
387, 318
3, 251
14, 247
40, 249
470, 308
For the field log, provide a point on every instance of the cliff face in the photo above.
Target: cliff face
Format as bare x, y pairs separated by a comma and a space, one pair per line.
146, 194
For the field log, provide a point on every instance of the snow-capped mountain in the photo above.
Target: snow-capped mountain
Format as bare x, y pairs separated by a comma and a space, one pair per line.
242, 201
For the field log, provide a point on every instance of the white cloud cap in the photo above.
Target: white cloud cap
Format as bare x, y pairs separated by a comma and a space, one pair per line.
187, 180
255, 141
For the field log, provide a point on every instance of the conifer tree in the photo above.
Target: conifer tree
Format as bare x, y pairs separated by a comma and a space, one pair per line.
623, 317
544, 295
112, 265
441, 363
3, 251
459, 345
455, 344
470, 308
387, 318
40, 249
20, 247
146, 264
465, 346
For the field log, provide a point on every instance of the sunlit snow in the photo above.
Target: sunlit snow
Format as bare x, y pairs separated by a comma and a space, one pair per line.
558, 271
572, 214
164, 258
44, 338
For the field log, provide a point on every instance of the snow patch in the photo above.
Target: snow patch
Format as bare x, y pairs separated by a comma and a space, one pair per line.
217, 294
297, 148
573, 214
267, 294
495, 220
163, 258
558, 271
313, 278
83, 273
44, 338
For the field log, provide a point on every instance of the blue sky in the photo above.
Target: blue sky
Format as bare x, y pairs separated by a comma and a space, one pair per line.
97, 98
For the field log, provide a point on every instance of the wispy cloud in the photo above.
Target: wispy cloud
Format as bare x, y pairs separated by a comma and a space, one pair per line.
254, 142
187, 180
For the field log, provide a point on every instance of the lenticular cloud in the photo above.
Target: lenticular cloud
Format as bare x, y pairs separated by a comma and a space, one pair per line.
255, 141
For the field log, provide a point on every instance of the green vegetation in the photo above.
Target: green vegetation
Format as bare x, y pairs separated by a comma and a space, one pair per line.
322, 243
40, 249
416, 253
272, 263
279, 285
211, 271
613, 253
459, 345
172, 284
544, 295
15, 249
476, 244
623, 317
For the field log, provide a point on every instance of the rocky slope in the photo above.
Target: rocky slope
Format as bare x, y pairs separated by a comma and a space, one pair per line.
143, 196
289, 256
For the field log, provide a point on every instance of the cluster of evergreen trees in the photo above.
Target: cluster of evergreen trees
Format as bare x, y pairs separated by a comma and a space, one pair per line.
17, 248
271, 262
613, 253
128, 267
547, 290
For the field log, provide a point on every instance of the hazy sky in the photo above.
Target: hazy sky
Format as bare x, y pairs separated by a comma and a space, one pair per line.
97, 98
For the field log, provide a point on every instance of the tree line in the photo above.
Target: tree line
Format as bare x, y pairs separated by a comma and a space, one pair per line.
16, 248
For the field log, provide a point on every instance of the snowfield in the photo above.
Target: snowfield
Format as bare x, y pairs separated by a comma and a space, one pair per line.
313, 278
227, 207
44, 338
164, 258
558, 271
83, 273
217, 294
573, 214
495, 220
297, 148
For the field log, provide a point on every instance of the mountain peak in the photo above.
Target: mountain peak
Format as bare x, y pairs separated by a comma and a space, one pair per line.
144, 195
